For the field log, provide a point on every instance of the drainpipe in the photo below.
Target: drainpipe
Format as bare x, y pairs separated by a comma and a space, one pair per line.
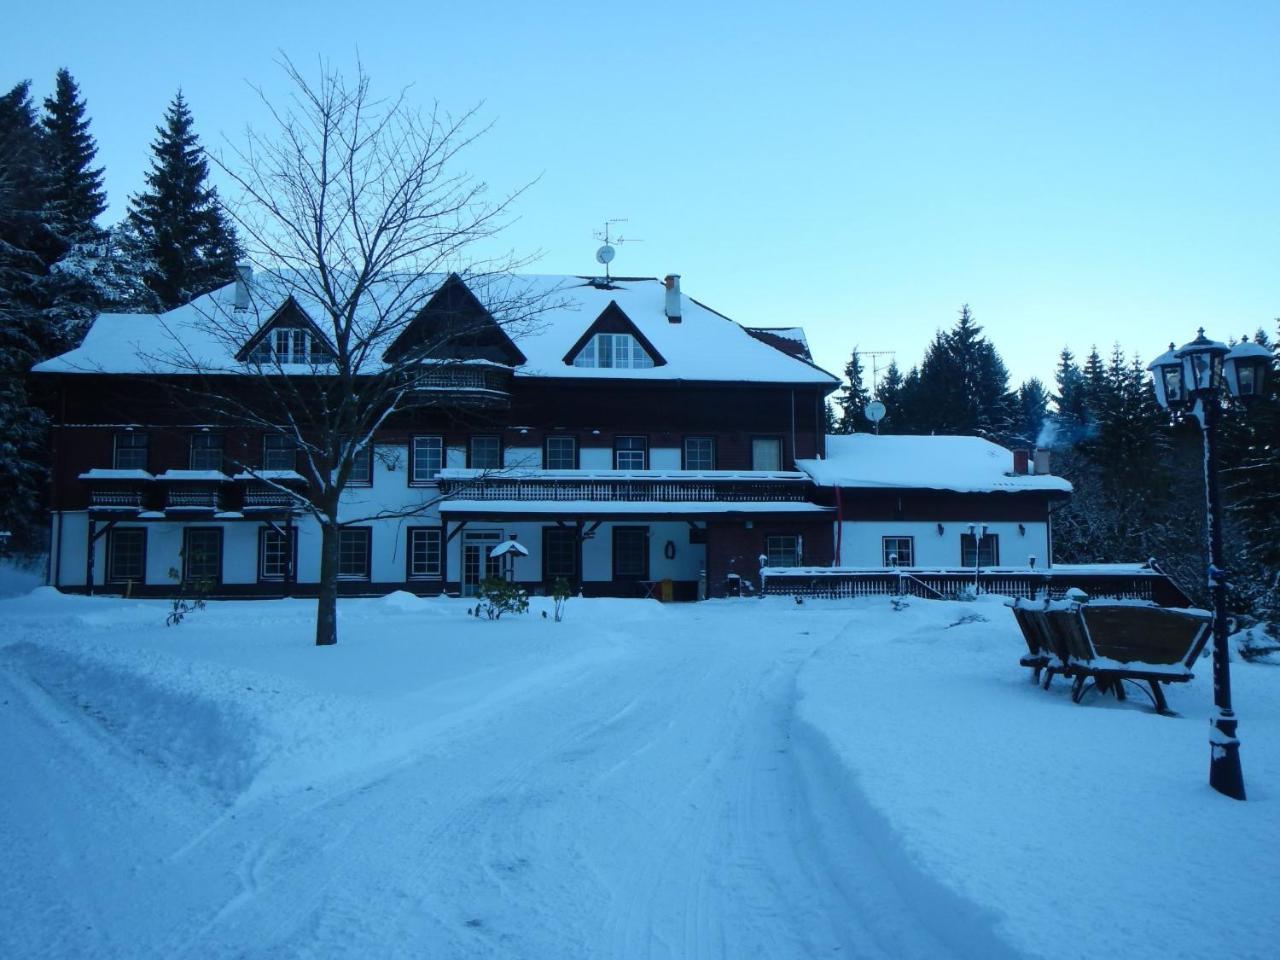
793, 429
835, 562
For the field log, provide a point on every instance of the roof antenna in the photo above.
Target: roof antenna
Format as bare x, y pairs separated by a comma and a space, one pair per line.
606, 253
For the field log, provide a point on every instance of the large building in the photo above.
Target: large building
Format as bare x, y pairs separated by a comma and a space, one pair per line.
628, 437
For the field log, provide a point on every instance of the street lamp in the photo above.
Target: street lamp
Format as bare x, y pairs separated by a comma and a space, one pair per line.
1191, 379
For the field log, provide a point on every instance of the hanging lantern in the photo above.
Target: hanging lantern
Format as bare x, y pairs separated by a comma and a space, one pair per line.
1202, 363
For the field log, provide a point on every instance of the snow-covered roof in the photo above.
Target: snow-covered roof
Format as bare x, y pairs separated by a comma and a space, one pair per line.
207, 333
956, 464
201, 476
508, 546
99, 473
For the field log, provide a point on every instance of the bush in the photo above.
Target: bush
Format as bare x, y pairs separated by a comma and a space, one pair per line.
498, 596
560, 592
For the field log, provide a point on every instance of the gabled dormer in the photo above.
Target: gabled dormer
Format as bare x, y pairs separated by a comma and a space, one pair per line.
613, 341
288, 336
455, 325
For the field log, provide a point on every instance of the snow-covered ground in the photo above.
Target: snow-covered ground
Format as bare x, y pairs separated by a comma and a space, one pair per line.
749, 778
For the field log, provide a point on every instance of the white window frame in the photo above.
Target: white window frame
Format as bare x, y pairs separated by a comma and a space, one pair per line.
416, 474
484, 439
618, 351
886, 553
131, 450
221, 447
283, 555
619, 453
292, 451
429, 571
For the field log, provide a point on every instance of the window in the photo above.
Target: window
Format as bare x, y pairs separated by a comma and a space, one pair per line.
559, 554
424, 553
131, 450
561, 453
898, 551
202, 555
766, 453
275, 559
428, 459
699, 453
126, 554
631, 553
206, 451
279, 452
289, 345
630, 453
361, 468
782, 551
613, 350
353, 553
983, 553
485, 453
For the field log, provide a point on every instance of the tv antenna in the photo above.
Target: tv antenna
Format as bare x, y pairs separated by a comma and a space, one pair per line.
606, 253
876, 366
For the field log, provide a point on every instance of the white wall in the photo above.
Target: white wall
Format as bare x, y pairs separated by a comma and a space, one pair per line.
595, 458
522, 457
860, 544
664, 458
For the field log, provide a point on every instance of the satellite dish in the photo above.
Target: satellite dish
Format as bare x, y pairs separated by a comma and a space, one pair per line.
875, 411
606, 254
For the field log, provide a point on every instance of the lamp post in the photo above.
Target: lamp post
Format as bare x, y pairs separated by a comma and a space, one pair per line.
1192, 379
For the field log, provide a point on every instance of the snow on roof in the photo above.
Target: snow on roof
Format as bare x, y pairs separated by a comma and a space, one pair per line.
957, 464
207, 333
204, 476
508, 546
98, 473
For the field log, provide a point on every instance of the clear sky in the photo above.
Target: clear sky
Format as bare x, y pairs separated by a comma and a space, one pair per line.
1080, 173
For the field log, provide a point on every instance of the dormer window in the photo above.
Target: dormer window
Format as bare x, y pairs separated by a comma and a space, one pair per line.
289, 345
618, 350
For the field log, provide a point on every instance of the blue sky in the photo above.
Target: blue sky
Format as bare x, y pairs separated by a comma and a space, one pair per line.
1078, 173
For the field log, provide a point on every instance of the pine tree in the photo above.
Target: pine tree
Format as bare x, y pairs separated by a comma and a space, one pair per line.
189, 245
963, 386
27, 246
1033, 412
75, 194
853, 398
889, 392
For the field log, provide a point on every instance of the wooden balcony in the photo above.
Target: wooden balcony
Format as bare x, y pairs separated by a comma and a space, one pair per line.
465, 385
668, 488
264, 497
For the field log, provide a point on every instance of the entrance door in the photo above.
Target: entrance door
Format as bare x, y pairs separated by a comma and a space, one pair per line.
476, 562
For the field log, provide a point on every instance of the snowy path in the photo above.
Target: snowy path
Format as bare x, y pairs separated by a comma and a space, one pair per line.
648, 801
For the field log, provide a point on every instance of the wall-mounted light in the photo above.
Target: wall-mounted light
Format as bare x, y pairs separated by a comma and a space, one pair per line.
1022, 529
941, 529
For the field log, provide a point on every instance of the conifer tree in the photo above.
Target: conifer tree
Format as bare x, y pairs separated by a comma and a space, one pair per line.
75, 194
1033, 410
189, 245
853, 398
889, 392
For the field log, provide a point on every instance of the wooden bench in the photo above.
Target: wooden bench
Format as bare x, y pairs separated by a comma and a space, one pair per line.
1108, 642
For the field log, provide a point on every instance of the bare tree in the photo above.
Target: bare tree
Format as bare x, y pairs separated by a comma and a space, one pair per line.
352, 213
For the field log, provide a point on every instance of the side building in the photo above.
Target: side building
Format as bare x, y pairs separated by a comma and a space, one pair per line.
628, 437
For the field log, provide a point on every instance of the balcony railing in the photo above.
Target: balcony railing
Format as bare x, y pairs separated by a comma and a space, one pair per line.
482, 385
187, 498
624, 490
115, 499
267, 498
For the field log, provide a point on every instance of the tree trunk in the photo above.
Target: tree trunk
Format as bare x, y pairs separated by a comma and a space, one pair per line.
327, 602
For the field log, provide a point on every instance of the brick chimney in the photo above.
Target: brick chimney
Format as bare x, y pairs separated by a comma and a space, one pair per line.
1042, 461
672, 283
1021, 459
